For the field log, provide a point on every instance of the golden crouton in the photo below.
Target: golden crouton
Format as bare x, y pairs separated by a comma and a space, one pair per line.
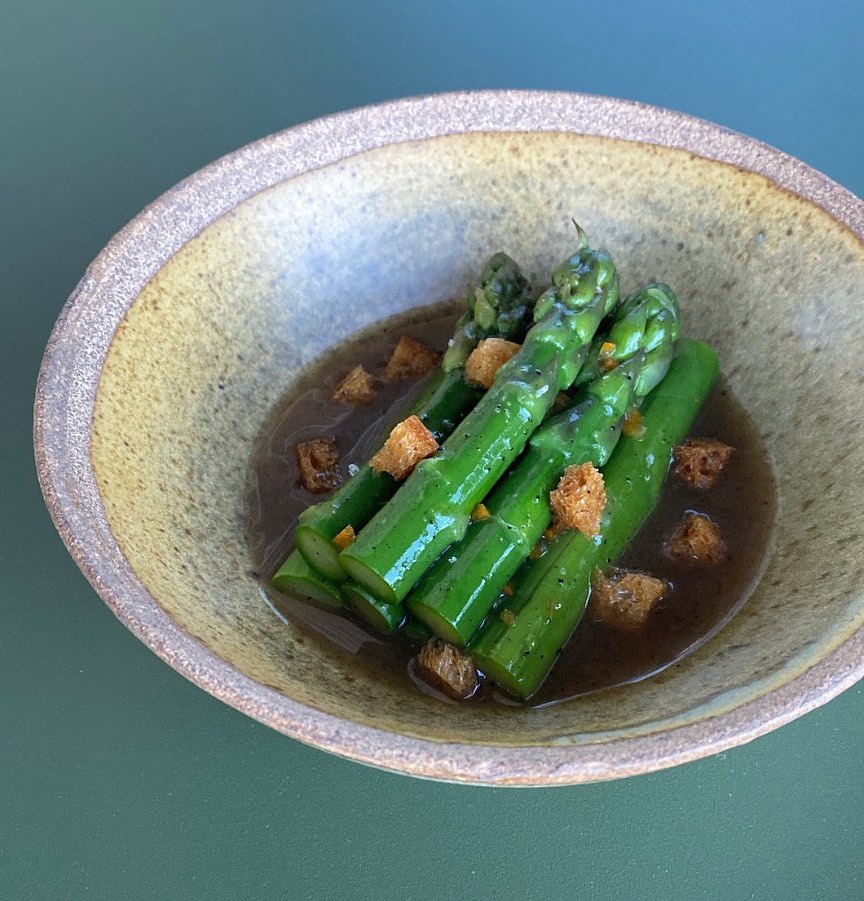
634, 426
487, 358
358, 387
700, 461
624, 599
344, 538
408, 444
411, 359
317, 461
579, 499
697, 540
606, 359
448, 669
480, 512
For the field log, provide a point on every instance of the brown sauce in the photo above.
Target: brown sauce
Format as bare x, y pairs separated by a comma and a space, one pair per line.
597, 656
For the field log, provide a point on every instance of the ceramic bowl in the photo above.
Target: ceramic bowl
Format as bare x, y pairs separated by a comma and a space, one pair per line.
196, 318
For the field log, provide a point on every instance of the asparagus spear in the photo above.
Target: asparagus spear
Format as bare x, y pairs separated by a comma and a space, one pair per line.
551, 592
386, 618
459, 589
644, 321
296, 578
432, 508
499, 305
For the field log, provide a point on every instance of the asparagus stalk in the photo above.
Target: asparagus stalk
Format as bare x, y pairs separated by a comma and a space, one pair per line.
551, 592
432, 508
385, 618
499, 305
296, 578
415, 631
458, 590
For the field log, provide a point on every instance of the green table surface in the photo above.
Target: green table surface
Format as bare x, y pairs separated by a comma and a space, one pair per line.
120, 779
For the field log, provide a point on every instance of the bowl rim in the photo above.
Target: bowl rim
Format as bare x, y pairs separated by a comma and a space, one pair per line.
76, 350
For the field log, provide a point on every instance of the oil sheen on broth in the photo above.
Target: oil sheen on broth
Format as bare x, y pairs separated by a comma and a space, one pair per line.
597, 657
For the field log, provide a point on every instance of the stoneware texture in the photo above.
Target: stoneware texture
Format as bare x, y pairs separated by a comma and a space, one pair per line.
195, 319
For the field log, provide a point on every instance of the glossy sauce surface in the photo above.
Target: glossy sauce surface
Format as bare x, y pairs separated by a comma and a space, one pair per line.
597, 656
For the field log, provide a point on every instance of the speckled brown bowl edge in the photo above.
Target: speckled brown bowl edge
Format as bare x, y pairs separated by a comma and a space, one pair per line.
76, 351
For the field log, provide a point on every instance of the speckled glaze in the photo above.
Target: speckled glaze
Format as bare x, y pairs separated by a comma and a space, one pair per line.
194, 320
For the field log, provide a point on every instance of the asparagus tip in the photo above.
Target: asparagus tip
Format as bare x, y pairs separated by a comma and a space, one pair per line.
580, 234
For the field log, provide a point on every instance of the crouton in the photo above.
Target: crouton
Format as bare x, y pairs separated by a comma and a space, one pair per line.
317, 461
358, 387
605, 358
487, 358
700, 461
447, 668
579, 499
408, 444
625, 598
411, 359
633, 427
344, 538
480, 512
697, 540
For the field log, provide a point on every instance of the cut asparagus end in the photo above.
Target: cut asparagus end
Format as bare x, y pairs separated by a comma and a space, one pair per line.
364, 576
415, 630
386, 618
499, 673
437, 623
513, 658
320, 553
296, 579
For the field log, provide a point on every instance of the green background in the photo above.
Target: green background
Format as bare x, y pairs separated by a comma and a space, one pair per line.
118, 778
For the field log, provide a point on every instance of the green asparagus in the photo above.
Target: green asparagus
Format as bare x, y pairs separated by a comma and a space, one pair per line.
432, 508
551, 592
296, 578
458, 590
415, 631
500, 305
385, 618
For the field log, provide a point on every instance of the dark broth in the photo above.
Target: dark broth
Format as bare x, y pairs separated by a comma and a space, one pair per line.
597, 656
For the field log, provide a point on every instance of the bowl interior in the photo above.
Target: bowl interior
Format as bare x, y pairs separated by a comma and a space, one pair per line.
219, 333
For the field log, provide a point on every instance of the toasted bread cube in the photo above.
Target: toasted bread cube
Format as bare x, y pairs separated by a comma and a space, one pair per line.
411, 359
606, 357
487, 358
625, 598
480, 512
697, 541
700, 461
358, 387
633, 427
317, 461
344, 538
408, 444
448, 669
579, 500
